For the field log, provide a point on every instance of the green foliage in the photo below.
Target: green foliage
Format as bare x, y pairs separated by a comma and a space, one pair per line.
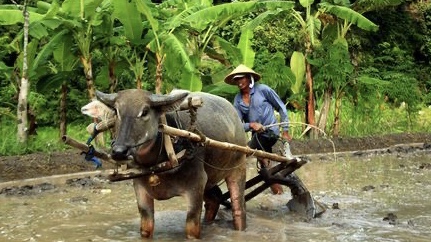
8, 100
277, 34
364, 6
397, 67
275, 73
404, 89
380, 119
223, 90
408, 35
427, 93
425, 9
47, 139
350, 15
187, 67
333, 66
127, 13
297, 65
11, 15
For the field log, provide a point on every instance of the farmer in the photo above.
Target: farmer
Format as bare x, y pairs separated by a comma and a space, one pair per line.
255, 104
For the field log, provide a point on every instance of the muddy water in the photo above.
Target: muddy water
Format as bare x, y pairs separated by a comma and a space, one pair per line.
366, 190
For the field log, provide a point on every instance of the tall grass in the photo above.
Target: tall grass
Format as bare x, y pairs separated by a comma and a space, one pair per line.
47, 139
377, 121
384, 120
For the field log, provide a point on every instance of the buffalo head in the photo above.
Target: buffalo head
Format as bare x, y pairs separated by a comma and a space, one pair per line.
138, 113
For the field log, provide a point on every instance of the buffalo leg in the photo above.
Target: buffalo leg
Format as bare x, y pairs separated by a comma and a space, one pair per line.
193, 220
236, 186
146, 210
212, 199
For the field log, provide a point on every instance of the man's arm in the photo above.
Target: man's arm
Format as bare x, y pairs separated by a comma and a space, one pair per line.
278, 105
246, 126
286, 136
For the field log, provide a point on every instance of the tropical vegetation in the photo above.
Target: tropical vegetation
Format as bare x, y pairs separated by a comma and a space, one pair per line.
343, 68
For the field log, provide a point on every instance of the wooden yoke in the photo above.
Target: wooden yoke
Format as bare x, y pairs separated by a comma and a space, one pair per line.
168, 144
191, 102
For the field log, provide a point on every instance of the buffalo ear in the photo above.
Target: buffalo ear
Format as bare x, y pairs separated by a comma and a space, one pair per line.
168, 103
107, 99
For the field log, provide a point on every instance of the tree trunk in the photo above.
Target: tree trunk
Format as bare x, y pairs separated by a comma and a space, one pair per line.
88, 72
309, 112
22, 117
337, 111
63, 123
159, 74
113, 81
324, 112
32, 121
138, 83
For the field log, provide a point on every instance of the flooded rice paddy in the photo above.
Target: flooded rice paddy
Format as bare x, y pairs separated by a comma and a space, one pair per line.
368, 198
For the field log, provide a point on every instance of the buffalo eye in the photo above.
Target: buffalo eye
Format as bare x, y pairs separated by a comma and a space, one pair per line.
144, 112
117, 113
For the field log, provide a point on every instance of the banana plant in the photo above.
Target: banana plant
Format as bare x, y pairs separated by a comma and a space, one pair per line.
71, 26
343, 15
81, 20
180, 33
62, 67
210, 20
310, 30
312, 27
12, 14
87, 15
76, 21
282, 78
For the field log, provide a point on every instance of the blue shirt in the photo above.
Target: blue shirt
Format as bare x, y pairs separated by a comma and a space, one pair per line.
263, 102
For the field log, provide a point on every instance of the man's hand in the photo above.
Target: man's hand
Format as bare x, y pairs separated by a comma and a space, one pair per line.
257, 127
286, 136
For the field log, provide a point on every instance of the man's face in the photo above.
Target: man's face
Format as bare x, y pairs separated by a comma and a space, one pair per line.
242, 82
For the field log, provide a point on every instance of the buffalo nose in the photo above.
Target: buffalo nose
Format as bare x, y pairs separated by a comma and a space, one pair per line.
119, 152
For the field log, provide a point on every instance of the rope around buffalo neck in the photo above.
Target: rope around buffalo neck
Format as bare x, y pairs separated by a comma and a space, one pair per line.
219, 168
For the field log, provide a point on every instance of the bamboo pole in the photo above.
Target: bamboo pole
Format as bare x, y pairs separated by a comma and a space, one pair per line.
83, 147
224, 145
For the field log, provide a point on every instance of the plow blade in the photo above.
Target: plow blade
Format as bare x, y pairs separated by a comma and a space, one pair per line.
306, 205
302, 202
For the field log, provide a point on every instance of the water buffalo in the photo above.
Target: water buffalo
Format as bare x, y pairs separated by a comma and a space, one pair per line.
200, 170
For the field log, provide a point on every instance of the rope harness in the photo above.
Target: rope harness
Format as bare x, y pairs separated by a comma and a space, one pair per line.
89, 155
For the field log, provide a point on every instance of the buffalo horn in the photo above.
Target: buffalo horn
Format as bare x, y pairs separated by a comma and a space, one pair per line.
168, 103
107, 99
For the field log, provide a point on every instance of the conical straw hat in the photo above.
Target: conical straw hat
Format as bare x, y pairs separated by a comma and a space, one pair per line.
241, 70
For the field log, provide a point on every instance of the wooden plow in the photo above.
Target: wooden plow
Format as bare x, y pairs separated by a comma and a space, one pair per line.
301, 201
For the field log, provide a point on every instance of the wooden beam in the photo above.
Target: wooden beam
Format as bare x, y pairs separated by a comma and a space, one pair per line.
224, 145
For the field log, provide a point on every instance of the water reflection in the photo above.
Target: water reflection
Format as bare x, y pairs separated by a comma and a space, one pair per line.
366, 190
